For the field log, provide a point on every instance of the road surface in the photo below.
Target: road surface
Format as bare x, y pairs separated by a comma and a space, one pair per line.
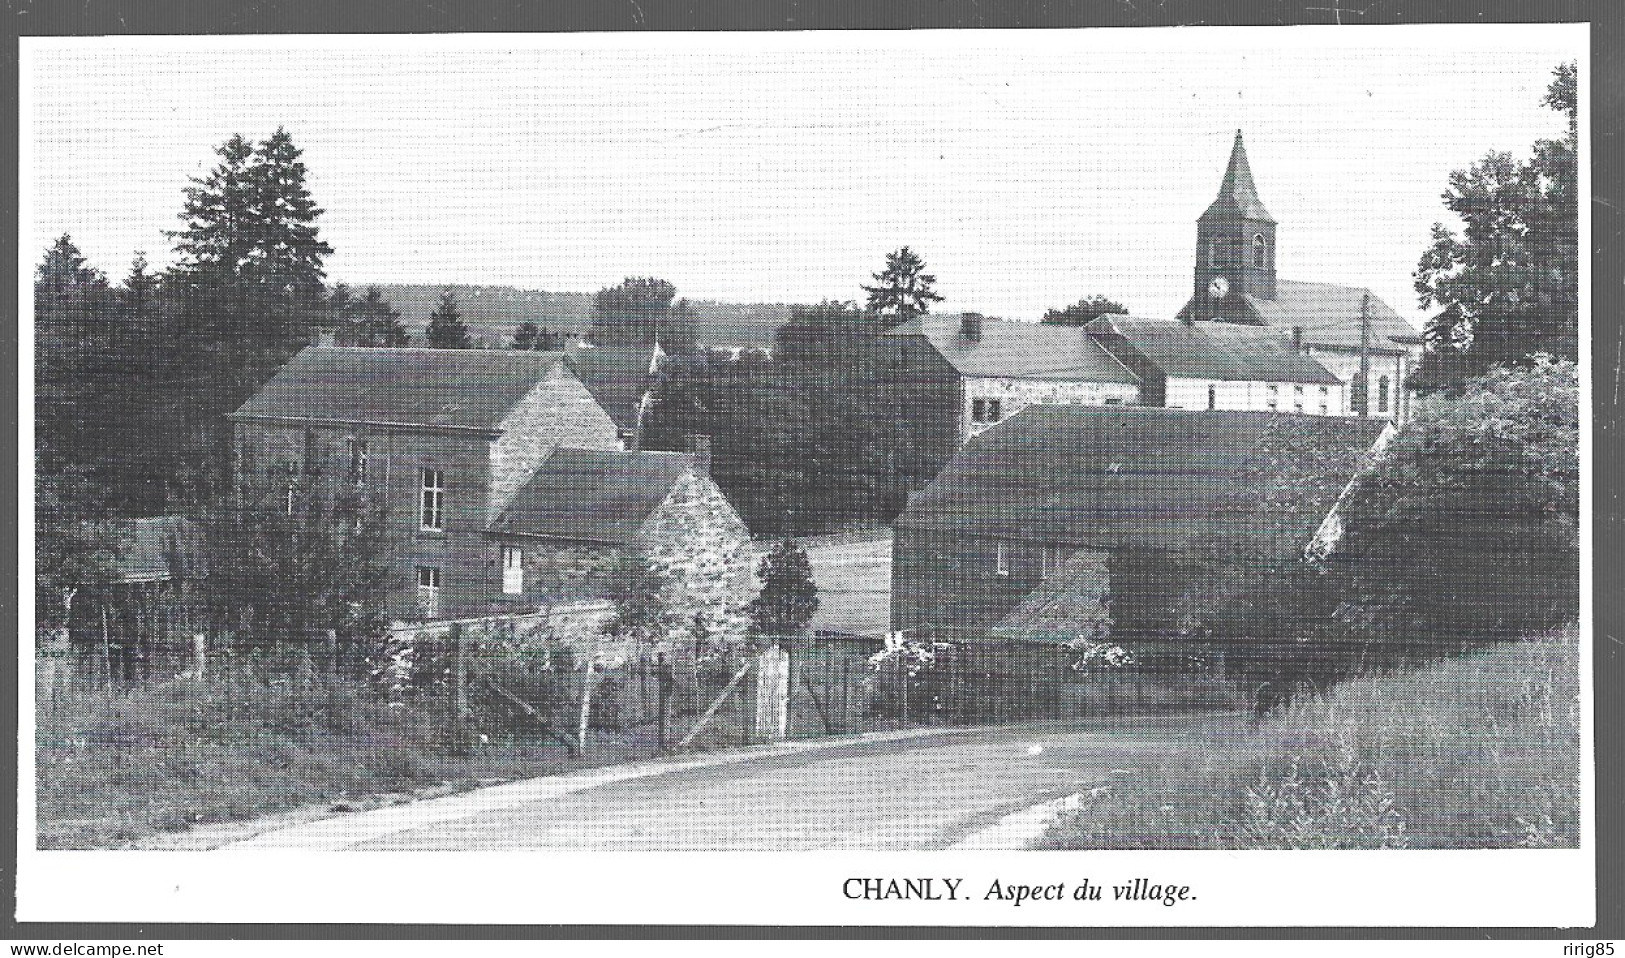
928, 792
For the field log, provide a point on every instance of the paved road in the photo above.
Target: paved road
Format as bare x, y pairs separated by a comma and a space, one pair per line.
920, 793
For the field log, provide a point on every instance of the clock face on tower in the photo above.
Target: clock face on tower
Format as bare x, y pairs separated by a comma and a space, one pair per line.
1218, 288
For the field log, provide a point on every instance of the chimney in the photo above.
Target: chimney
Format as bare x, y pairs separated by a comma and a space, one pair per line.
970, 326
323, 335
1297, 338
700, 448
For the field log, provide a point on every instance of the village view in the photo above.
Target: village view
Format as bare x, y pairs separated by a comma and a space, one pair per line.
1280, 570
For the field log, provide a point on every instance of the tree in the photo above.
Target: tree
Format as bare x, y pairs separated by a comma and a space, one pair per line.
637, 312
1084, 310
903, 290
75, 321
524, 336
1507, 287
446, 329
642, 611
1467, 528
370, 321
789, 597
310, 559
70, 553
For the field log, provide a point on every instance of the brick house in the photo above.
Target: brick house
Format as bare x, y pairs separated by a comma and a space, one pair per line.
444, 437
1074, 491
561, 537
1219, 366
1342, 327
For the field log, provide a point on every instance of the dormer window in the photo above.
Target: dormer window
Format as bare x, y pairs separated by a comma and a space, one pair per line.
1261, 252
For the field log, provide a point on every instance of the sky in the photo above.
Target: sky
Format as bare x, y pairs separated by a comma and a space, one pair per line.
1028, 168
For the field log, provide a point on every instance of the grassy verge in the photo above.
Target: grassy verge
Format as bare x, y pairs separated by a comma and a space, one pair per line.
114, 767
1480, 751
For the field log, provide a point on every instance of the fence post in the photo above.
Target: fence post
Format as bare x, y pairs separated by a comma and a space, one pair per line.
660, 702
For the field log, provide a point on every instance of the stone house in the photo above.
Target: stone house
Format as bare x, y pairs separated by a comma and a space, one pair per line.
621, 379
1345, 328
1076, 492
1219, 366
951, 378
562, 537
443, 438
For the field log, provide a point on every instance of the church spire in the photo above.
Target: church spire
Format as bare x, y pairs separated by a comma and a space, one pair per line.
1237, 193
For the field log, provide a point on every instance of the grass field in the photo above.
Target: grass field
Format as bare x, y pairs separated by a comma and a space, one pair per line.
1481, 751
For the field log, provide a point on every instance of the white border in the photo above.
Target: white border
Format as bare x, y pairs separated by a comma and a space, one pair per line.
1466, 888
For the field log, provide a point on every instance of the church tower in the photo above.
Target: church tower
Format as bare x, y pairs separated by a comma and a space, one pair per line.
1235, 247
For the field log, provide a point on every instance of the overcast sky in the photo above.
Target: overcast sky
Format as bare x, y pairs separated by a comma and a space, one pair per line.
1028, 168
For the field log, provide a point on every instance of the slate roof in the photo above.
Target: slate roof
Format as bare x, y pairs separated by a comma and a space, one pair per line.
1237, 194
1213, 351
443, 388
591, 495
1019, 350
1119, 476
617, 376
1330, 315
159, 549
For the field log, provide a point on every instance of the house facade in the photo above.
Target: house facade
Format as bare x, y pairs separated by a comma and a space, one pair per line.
564, 537
442, 438
1219, 366
1095, 496
1347, 329
953, 377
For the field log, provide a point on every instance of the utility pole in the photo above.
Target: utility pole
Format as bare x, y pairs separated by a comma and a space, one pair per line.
1364, 406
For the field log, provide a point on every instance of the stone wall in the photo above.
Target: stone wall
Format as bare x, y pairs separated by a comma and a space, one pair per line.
558, 412
1017, 394
697, 539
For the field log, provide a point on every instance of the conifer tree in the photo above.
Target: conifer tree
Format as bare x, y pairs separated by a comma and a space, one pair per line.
789, 597
903, 290
446, 329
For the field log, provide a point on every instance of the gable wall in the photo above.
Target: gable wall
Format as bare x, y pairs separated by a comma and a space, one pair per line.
1015, 395
558, 412
697, 539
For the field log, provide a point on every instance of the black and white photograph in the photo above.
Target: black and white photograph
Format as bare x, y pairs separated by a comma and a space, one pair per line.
1060, 451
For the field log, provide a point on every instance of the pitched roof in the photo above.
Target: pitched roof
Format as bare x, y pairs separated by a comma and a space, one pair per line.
1237, 193
159, 549
1118, 476
443, 388
1019, 350
617, 376
1330, 315
1206, 351
592, 495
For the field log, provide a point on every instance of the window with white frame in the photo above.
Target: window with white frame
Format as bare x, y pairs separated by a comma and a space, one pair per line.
358, 460
432, 512
513, 570
978, 410
429, 591
1297, 398
1325, 400
1002, 560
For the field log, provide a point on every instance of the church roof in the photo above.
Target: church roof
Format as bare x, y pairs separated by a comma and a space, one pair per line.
1129, 477
591, 495
1237, 193
1330, 315
435, 388
1019, 350
1244, 354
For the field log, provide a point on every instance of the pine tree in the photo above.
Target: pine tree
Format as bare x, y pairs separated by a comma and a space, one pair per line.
371, 321
789, 597
74, 321
446, 329
903, 289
